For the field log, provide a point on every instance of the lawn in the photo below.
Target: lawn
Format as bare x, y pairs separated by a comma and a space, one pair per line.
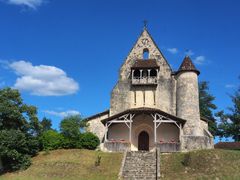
80, 165
71, 165
201, 165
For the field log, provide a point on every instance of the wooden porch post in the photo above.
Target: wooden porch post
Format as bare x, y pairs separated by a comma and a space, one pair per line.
155, 128
130, 129
180, 132
106, 131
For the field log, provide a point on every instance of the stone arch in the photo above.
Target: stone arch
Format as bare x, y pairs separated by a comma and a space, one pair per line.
143, 126
146, 53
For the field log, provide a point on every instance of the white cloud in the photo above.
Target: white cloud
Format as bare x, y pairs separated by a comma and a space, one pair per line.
199, 60
43, 80
189, 52
63, 114
33, 4
230, 86
172, 50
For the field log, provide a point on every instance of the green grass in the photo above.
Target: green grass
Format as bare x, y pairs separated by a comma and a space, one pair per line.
70, 165
80, 164
201, 165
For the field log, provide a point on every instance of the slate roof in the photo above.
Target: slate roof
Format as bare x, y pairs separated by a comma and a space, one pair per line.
187, 65
144, 64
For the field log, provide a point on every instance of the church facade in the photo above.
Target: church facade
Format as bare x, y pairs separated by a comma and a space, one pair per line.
152, 106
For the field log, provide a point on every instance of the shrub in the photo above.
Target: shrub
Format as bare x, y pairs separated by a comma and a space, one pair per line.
68, 143
89, 141
15, 151
51, 140
13, 160
98, 161
186, 159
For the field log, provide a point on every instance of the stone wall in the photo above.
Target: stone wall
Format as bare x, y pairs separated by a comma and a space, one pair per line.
116, 146
196, 142
168, 147
203, 124
123, 94
96, 126
188, 102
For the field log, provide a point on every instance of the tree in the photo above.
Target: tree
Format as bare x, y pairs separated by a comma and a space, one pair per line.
89, 140
207, 106
46, 124
19, 129
51, 140
70, 128
230, 122
14, 150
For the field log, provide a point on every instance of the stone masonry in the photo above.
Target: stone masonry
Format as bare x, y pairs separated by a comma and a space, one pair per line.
140, 166
174, 92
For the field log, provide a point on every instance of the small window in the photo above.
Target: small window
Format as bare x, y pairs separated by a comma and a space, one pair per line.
145, 54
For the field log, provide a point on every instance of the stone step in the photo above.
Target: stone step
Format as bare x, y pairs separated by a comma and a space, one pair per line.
140, 165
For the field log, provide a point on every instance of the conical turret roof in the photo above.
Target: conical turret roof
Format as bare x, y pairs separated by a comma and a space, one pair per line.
187, 65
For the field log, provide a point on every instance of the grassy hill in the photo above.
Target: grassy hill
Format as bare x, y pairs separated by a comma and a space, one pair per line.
79, 164
70, 165
201, 165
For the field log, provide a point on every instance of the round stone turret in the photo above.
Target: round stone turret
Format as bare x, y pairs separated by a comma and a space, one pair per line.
188, 97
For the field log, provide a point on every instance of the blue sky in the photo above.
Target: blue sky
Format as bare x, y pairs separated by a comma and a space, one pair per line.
64, 56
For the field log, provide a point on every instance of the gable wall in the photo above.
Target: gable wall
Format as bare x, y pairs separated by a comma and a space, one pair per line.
125, 96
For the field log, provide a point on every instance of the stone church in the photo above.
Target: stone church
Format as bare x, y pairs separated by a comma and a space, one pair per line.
152, 106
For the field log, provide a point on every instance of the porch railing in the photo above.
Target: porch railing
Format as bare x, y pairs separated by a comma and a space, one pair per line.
144, 80
117, 146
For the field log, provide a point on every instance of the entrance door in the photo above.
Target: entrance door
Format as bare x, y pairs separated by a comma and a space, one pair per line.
143, 141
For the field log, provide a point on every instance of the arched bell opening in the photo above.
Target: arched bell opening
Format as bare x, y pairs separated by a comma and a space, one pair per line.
145, 54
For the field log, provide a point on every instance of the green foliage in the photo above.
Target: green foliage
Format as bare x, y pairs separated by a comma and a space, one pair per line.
207, 106
230, 122
19, 130
186, 159
98, 160
51, 140
46, 124
70, 127
89, 141
14, 150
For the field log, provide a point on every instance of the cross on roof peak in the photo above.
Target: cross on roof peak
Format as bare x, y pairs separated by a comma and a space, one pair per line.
145, 22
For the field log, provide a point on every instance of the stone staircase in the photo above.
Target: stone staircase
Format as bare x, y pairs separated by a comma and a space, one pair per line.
140, 165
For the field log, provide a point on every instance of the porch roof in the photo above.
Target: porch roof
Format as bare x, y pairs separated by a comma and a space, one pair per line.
144, 110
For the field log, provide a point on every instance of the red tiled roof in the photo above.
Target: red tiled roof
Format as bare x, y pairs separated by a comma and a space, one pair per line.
187, 65
148, 63
227, 145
